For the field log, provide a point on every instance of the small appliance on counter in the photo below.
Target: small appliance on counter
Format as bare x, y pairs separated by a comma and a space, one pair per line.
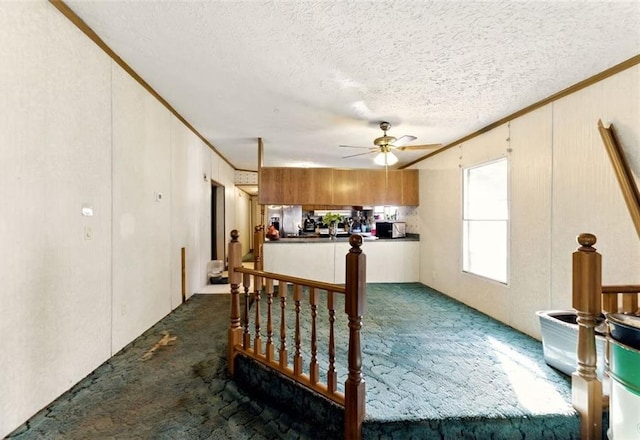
391, 229
309, 224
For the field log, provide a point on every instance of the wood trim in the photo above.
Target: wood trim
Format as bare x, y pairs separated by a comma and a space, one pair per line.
623, 172
61, 6
260, 192
561, 94
621, 289
183, 264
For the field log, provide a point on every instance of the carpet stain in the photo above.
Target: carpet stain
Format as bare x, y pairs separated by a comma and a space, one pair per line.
164, 341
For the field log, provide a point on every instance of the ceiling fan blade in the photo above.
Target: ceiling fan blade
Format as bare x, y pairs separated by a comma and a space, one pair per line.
359, 154
403, 140
351, 146
419, 147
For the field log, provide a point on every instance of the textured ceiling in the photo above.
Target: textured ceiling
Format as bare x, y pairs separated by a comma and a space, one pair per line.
307, 76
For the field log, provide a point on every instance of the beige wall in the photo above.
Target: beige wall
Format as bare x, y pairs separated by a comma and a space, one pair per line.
77, 130
561, 184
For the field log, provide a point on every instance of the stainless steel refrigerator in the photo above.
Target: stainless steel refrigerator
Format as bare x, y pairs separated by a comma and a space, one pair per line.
286, 218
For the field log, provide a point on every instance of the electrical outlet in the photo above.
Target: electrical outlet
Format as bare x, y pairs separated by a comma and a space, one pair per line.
88, 233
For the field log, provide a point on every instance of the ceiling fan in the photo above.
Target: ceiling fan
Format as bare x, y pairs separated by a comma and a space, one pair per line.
385, 145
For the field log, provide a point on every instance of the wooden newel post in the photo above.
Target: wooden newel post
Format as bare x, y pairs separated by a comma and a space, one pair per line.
258, 240
355, 300
235, 279
587, 294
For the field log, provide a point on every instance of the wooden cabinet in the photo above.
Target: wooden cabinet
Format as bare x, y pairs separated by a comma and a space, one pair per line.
367, 187
295, 186
410, 191
354, 187
338, 187
392, 184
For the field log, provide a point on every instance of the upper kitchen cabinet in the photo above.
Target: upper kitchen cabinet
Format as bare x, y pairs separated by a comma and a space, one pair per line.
338, 187
367, 187
295, 186
410, 194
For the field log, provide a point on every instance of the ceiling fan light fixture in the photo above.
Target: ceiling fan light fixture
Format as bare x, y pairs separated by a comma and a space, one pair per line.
385, 158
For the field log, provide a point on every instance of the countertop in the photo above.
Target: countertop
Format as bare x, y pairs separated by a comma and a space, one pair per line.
341, 239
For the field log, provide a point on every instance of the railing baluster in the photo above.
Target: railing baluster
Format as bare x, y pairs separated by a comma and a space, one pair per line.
269, 348
282, 292
610, 303
297, 357
257, 338
629, 302
314, 371
332, 375
246, 337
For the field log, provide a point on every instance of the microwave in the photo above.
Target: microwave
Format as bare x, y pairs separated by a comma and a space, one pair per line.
391, 229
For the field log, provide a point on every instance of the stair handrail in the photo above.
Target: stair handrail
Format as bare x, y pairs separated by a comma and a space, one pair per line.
623, 172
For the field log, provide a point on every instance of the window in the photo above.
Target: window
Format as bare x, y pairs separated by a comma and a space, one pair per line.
485, 220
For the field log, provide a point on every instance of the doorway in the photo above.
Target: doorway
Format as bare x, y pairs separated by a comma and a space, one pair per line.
217, 222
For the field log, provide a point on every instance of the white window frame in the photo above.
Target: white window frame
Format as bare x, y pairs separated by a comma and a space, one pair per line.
467, 222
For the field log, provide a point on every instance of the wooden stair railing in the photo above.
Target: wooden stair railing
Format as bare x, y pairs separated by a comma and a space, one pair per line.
590, 299
273, 352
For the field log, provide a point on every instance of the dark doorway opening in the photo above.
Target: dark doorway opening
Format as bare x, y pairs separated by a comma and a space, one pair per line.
214, 252
217, 222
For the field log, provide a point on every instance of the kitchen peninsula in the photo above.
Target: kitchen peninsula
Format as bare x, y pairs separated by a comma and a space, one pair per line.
297, 200
322, 259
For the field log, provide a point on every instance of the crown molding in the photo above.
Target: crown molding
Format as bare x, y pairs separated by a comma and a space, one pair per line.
80, 24
561, 94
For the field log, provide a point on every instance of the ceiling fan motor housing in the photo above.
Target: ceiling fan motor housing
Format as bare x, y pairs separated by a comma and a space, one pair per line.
384, 141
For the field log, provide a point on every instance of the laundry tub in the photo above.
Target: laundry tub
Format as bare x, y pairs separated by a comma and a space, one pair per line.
560, 340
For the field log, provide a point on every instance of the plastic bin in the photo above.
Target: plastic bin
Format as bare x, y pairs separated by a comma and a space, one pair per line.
214, 270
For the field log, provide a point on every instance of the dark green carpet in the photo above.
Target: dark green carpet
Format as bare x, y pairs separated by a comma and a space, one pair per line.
182, 392
435, 368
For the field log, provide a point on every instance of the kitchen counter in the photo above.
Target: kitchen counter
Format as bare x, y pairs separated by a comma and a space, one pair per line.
341, 239
389, 260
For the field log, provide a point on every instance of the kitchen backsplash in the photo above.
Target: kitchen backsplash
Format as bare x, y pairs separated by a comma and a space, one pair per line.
409, 214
